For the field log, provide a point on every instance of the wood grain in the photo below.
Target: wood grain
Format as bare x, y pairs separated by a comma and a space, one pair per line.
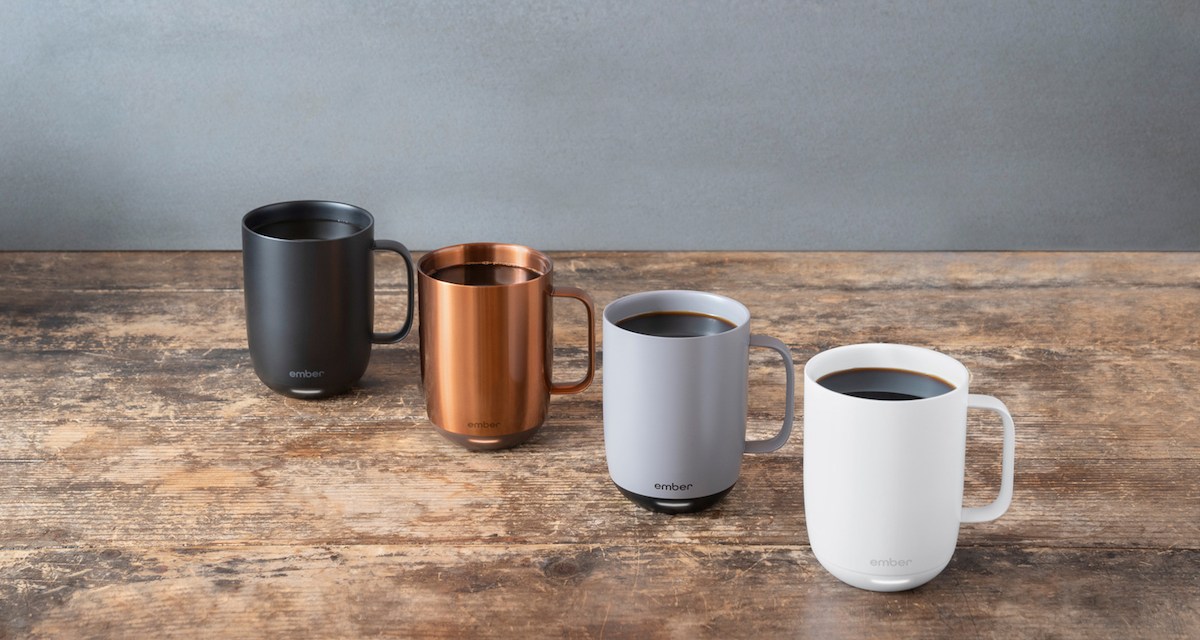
586, 591
153, 486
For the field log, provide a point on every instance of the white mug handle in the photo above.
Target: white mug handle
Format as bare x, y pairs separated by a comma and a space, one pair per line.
1000, 505
776, 441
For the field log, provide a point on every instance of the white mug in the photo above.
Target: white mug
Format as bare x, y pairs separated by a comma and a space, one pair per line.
883, 479
675, 407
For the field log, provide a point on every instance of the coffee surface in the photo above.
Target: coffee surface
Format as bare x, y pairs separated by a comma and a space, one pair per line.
308, 229
484, 274
885, 384
676, 324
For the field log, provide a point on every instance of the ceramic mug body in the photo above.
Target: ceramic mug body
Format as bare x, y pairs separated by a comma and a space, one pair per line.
883, 479
675, 407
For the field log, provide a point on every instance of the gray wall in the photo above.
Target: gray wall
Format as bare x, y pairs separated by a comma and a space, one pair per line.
608, 124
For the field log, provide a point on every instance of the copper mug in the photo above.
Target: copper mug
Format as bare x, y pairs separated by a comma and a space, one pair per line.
487, 342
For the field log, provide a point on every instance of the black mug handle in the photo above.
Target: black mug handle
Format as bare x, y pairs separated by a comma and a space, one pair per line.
397, 336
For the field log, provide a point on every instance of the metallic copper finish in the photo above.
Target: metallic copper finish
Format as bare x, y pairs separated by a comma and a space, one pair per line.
486, 349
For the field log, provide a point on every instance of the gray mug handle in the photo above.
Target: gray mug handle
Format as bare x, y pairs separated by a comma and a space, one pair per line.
778, 440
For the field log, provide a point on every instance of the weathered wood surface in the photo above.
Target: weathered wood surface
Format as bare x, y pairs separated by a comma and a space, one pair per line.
681, 591
152, 486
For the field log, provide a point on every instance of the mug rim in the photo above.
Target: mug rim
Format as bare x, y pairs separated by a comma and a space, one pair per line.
507, 254
306, 210
817, 368
634, 299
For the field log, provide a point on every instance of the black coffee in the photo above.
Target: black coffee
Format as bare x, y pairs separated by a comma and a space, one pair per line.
485, 274
676, 324
885, 384
308, 229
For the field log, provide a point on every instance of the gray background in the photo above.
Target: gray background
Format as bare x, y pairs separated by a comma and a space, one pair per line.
606, 125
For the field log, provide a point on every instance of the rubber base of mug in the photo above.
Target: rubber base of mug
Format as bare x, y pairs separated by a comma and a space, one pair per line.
487, 443
306, 394
886, 583
673, 505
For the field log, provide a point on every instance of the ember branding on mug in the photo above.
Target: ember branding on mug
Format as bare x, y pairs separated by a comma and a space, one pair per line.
676, 366
885, 429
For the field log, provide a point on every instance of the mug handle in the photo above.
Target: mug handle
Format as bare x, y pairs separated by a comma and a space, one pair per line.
776, 441
397, 336
1000, 505
582, 296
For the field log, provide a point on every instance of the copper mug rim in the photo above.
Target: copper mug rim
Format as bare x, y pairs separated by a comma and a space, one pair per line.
494, 253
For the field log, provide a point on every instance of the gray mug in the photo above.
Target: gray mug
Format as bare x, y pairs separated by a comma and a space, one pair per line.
676, 367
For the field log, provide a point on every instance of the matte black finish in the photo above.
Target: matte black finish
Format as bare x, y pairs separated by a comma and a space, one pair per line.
310, 302
671, 505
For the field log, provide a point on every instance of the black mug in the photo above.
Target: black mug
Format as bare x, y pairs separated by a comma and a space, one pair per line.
310, 292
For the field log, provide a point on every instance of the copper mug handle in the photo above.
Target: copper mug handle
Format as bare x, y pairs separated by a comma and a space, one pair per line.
580, 385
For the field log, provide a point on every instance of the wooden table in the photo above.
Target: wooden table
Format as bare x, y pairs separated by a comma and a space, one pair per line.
152, 487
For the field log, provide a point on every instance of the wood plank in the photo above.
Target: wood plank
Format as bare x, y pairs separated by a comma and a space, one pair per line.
152, 461
154, 496
120, 270
1132, 320
200, 270
1062, 399
183, 321
585, 591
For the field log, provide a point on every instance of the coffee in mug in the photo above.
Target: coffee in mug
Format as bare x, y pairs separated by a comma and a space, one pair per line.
315, 229
885, 384
676, 324
484, 275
